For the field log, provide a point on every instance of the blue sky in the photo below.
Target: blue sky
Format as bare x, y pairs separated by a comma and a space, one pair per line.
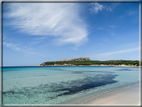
37, 32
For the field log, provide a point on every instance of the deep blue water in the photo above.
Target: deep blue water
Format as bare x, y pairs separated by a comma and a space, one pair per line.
60, 85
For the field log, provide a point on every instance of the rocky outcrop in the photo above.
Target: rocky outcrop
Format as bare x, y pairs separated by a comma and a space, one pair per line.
77, 59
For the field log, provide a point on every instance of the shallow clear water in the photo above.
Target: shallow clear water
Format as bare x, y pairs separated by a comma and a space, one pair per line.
61, 85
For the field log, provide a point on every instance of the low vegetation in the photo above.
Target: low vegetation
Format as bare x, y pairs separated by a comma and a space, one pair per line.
92, 62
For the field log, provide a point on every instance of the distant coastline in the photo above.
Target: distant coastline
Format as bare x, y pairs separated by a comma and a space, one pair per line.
88, 65
85, 61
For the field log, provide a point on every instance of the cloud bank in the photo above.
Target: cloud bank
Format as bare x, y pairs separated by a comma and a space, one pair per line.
62, 21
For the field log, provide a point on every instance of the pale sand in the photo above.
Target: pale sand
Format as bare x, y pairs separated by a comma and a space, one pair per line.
126, 95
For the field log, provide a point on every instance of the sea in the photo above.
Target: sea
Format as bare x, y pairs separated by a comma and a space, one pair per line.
63, 84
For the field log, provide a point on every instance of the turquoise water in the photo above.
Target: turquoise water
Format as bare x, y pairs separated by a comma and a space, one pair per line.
63, 85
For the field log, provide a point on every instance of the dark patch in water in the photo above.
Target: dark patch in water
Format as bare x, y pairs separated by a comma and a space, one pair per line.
100, 71
59, 69
88, 85
80, 72
63, 88
124, 69
77, 72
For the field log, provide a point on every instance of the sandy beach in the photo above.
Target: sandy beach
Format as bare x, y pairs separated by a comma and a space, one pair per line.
128, 95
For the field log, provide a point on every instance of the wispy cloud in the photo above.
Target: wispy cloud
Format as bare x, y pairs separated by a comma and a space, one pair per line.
112, 26
100, 28
9, 43
108, 29
120, 51
17, 47
62, 21
114, 5
131, 12
96, 7
108, 8
131, 44
110, 55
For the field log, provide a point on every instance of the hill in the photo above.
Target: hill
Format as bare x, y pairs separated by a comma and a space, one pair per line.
85, 61
77, 59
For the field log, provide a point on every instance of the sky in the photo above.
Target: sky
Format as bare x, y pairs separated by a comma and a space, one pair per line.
34, 33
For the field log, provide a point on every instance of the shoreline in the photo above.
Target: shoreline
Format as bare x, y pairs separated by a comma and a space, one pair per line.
70, 66
124, 95
128, 95
88, 65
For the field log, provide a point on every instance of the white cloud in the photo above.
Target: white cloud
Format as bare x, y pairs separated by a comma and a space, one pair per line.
17, 47
112, 26
59, 20
131, 13
109, 9
111, 55
100, 28
121, 51
96, 7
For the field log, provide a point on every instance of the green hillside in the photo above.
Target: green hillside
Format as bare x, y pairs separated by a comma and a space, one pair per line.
91, 62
